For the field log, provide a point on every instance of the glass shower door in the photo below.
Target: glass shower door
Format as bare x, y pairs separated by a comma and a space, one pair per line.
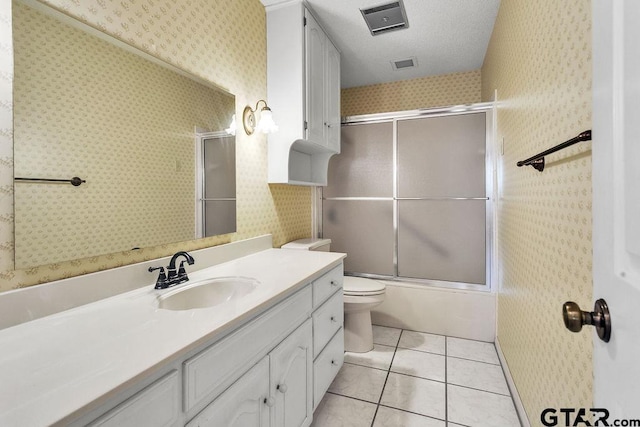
407, 198
442, 198
358, 200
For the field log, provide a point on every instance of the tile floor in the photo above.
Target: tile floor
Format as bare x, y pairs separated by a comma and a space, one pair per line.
413, 379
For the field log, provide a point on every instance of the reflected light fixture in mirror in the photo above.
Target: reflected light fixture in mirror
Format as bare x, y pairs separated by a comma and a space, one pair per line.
231, 130
266, 124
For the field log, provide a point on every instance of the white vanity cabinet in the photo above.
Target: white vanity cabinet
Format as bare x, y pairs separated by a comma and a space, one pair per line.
291, 379
245, 403
270, 372
303, 83
156, 405
328, 331
275, 392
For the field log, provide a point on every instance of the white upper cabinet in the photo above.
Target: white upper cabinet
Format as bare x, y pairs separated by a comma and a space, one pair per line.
303, 82
332, 103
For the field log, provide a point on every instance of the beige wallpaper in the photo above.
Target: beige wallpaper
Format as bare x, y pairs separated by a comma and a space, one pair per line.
539, 60
425, 92
84, 107
221, 41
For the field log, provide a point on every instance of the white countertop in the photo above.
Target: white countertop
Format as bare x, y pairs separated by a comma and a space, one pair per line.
61, 366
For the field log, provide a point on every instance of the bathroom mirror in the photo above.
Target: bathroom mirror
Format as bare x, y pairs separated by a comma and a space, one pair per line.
88, 106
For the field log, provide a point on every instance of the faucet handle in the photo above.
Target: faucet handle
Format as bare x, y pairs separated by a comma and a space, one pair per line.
161, 282
181, 270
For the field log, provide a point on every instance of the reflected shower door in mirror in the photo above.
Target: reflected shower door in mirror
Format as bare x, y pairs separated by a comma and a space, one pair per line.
216, 199
88, 105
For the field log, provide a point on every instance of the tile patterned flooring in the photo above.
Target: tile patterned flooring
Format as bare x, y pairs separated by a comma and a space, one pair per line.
414, 379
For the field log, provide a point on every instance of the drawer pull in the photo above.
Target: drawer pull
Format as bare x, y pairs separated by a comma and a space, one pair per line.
269, 401
333, 362
333, 318
282, 388
334, 283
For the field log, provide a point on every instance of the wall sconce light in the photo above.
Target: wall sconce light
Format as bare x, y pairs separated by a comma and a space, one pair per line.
264, 125
231, 130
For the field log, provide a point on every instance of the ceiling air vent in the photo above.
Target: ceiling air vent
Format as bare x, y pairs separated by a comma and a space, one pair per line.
405, 63
385, 18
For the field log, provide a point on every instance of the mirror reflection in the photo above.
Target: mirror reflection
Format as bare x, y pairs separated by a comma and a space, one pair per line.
85, 107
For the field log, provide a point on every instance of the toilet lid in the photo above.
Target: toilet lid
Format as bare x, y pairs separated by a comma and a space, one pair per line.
361, 286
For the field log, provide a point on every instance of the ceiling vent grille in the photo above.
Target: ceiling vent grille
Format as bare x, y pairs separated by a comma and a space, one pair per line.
385, 18
404, 63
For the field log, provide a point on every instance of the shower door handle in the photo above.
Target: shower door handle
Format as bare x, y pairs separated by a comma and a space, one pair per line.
574, 318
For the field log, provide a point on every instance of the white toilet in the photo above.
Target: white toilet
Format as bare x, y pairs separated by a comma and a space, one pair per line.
360, 296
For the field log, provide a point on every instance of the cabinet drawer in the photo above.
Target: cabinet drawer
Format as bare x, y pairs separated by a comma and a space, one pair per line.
326, 285
326, 321
208, 373
156, 405
327, 365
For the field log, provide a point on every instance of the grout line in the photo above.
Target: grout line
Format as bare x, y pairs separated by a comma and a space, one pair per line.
421, 351
438, 335
351, 397
367, 366
446, 383
411, 412
421, 378
479, 389
385, 380
474, 360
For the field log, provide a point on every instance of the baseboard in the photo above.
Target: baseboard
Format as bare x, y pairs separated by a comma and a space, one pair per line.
522, 414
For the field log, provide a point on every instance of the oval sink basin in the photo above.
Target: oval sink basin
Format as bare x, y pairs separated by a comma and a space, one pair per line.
207, 293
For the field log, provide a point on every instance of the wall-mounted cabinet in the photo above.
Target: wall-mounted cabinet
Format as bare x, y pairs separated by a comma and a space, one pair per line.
303, 79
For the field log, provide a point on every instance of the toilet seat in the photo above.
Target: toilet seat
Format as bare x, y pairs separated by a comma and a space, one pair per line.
359, 286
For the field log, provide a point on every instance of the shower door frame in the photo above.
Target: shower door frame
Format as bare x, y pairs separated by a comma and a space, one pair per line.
201, 136
490, 182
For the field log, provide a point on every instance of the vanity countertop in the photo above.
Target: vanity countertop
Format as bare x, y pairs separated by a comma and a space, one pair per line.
61, 366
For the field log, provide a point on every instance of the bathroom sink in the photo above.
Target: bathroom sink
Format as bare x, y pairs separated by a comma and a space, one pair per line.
207, 293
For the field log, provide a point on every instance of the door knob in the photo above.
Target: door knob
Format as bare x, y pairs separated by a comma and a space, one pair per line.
574, 318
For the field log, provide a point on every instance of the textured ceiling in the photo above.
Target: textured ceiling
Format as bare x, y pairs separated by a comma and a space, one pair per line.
445, 36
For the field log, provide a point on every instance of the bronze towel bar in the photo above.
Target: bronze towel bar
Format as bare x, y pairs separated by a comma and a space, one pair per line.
537, 161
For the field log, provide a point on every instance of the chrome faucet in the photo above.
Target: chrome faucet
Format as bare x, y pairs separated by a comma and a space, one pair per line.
173, 277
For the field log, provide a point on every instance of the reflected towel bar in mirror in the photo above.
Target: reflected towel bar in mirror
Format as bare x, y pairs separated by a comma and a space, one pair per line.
537, 161
75, 181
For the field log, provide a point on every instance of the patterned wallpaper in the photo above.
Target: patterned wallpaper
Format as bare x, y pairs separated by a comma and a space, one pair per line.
220, 41
85, 107
425, 92
539, 60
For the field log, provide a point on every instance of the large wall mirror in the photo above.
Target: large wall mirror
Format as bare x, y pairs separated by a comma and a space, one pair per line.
86, 107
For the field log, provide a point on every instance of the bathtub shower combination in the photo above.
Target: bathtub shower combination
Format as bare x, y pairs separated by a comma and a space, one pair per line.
408, 198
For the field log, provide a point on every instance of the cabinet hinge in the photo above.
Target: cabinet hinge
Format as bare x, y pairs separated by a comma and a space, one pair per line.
304, 21
306, 125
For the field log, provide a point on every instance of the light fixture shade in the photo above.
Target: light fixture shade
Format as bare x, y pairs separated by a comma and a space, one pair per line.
231, 130
266, 123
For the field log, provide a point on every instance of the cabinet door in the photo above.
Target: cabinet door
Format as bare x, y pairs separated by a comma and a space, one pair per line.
332, 94
291, 376
245, 404
315, 56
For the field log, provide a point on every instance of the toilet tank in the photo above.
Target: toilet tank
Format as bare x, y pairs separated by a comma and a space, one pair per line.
323, 245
